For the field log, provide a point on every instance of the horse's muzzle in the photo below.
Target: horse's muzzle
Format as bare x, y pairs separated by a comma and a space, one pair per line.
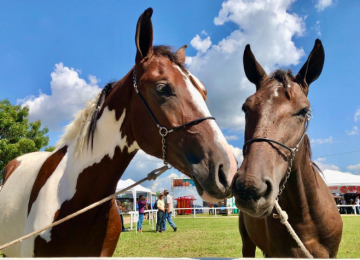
253, 196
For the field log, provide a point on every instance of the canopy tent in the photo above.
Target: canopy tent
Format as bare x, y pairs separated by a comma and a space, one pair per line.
122, 184
342, 182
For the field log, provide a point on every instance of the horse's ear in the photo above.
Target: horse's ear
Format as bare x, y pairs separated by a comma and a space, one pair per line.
312, 68
144, 36
181, 55
253, 70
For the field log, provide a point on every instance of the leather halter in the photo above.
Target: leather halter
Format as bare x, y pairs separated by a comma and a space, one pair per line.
163, 131
292, 150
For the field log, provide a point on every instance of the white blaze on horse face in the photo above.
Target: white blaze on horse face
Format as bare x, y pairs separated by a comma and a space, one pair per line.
276, 92
199, 101
61, 185
198, 81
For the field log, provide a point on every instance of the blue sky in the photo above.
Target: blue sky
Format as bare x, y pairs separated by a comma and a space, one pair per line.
96, 39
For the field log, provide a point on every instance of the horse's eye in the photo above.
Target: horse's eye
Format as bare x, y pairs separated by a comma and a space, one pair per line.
163, 89
303, 112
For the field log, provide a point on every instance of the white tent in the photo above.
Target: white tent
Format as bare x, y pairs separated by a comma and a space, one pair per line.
122, 184
342, 182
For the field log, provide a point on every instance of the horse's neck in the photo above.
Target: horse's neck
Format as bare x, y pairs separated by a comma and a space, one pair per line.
301, 193
114, 146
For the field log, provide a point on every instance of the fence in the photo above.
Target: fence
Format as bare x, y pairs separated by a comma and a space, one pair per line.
153, 213
355, 208
214, 210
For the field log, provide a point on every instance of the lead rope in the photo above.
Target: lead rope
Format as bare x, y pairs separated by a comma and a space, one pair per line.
284, 220
282, 215
151, 176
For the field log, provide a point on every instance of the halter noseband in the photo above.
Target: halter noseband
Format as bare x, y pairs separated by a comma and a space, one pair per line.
163, 131
292, 150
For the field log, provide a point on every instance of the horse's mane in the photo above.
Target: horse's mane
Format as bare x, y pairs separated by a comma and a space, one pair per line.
82, 128
167, 51
282, 76
308, 154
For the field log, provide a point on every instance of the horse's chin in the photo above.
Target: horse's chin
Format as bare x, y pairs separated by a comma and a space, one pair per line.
227, 193
205, 196
259, 209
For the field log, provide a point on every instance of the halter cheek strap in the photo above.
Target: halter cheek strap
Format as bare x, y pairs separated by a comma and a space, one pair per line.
163, 131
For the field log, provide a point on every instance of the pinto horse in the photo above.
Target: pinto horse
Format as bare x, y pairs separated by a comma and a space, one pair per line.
98, 145
277, 116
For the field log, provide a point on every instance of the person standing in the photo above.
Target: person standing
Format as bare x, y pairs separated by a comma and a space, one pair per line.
122, 209
357, 203
141, 203
343, 210
168, 211
160, 214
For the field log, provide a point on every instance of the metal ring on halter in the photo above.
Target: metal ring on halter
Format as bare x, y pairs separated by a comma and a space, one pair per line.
163, 131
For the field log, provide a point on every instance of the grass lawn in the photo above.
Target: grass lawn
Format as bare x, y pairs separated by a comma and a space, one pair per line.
211, 237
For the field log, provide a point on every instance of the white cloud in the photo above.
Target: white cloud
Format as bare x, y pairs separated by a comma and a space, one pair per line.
163, 183
317, 28
69, 94
203, 32
237, 153
322, 4
322, 141
199, 44
357, 115
321, 162
141, 165
231, 137
354, 131
354, 168
269, 28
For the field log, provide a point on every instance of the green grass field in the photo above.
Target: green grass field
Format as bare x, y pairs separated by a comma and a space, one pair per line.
211, 237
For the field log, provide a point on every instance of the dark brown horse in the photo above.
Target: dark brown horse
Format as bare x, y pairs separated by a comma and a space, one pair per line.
98, 145
278, 111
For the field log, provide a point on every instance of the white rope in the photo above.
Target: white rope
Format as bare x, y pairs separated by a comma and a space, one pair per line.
151, 176
284, 220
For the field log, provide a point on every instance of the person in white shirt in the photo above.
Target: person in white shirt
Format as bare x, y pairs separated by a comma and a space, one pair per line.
168, 211
357, 203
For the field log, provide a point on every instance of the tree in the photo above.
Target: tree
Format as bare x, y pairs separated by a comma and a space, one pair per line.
49, 148
17, 134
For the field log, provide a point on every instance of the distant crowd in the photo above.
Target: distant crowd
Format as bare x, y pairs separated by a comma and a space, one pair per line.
349, 210
164, 205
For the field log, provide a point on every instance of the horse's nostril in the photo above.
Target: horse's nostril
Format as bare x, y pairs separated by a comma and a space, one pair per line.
269, 188
222, 176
